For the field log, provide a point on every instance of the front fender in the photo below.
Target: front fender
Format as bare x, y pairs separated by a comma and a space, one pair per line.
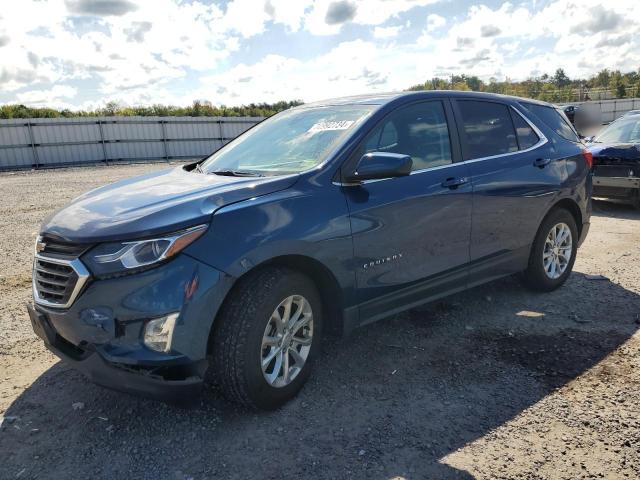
306, 220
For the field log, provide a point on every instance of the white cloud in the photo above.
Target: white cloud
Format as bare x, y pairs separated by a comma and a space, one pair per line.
367, 12
350, 68
58, 96
287, 12
435, 21
498, 42
151, 51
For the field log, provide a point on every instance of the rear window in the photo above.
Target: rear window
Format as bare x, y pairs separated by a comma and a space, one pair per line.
555, 120
487, 128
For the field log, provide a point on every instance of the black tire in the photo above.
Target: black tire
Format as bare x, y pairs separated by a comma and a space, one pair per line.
239, 329
535, 276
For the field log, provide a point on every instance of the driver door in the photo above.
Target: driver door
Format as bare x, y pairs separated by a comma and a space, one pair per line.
411, 234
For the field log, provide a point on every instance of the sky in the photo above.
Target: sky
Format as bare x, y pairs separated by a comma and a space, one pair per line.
80, 54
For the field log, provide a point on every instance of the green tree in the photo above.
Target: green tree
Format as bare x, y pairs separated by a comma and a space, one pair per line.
616, 84
560, 79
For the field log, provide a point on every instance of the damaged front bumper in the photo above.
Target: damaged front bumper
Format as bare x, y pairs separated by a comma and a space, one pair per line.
616, 182
175, 381
616, 172
102, 333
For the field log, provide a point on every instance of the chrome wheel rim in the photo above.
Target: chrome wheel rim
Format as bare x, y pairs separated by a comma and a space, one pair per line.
557, 251
286, 342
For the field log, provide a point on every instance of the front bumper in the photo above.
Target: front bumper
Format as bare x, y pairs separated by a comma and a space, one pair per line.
101, 334
616, 182
145, 382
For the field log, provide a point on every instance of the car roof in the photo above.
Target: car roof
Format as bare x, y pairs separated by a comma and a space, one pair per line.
388, 97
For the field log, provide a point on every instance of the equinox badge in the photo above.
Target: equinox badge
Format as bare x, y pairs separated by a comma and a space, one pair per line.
380, 261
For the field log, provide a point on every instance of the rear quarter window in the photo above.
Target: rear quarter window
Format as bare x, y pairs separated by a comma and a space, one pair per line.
527, 138
555, 120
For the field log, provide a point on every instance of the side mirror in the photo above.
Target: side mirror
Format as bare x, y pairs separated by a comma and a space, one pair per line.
378, 165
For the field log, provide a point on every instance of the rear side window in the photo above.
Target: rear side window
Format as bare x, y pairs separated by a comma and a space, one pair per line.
419, 131
554, 120
527, 138
487, 129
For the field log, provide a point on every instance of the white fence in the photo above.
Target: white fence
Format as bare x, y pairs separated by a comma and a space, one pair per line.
612, 109
57, 142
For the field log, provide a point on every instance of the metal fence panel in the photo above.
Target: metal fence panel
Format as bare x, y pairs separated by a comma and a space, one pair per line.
16, 158
53, 142
14, 135
612, 109
135, 151
195, 149
63, 155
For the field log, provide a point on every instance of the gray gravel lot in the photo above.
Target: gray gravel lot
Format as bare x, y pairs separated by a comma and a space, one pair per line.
494, 383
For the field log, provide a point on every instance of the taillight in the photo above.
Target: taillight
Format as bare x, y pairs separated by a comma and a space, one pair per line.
588, 157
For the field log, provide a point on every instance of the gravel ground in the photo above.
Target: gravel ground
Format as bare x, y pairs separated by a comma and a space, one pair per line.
494, 383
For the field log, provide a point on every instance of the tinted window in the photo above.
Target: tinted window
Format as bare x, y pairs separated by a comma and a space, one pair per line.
487, 128
527, 138
555, 120
419, 131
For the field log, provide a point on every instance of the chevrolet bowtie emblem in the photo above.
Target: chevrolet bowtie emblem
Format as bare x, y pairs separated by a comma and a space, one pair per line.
40, 246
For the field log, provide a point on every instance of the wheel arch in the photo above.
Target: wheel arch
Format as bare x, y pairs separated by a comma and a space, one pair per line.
572, 207
326, 282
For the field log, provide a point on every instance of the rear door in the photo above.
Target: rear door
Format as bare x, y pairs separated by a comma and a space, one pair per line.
411, 234
515, 174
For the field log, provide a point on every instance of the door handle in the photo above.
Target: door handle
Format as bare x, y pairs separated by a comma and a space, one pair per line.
454, 182
541, 162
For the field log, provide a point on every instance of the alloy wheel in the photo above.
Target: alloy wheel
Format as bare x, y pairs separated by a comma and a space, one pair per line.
557, 251
286, 342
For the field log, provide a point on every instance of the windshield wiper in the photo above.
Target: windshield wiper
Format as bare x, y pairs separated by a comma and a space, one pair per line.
237, 173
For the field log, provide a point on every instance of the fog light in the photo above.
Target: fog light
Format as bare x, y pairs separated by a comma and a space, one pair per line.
159, 331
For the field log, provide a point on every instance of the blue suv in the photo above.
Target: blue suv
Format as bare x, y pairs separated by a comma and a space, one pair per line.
319, 220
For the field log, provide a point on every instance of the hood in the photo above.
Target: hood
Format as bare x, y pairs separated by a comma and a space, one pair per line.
154, 203
615, 154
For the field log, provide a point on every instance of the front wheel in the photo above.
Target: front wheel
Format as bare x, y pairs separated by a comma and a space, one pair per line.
267, 336
553, 252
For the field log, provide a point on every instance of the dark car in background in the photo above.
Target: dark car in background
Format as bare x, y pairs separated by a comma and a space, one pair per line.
616, 160
569, 111
323, 218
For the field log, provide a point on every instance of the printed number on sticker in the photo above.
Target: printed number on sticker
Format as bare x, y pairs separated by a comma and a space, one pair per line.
323, 126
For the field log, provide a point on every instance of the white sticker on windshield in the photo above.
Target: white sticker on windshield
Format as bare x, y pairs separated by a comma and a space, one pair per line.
324, 126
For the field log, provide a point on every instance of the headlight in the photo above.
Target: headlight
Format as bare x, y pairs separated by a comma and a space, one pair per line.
110, 258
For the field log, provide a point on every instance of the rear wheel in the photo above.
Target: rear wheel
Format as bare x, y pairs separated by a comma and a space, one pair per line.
267, 336
553, 252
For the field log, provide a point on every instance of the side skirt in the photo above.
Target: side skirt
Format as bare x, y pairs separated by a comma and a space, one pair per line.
462, 278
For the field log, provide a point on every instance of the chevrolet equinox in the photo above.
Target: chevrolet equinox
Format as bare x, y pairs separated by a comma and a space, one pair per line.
319, 220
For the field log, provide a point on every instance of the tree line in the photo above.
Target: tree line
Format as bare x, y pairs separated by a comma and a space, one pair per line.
198, 108
551, 88
606, 84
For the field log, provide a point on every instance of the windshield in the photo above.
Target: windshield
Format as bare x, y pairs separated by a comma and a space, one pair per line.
289, 142
625, 130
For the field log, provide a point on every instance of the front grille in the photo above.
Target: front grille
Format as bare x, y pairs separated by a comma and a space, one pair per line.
57, 282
